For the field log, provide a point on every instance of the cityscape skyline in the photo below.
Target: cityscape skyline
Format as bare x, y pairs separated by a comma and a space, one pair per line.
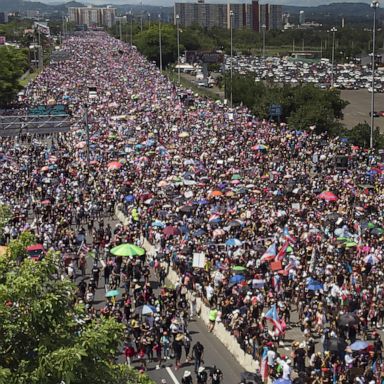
169, 3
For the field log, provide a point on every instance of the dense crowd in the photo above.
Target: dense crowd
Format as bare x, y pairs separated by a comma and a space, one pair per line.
255, 217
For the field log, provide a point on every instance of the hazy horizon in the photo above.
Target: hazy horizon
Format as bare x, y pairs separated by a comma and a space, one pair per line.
299, 3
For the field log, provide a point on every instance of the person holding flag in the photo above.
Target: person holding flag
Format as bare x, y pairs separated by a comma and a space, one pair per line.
273, 317
264, 365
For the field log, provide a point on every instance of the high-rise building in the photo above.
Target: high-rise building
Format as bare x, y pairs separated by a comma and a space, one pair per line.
92, 16
301, 17
245, 15
3, 17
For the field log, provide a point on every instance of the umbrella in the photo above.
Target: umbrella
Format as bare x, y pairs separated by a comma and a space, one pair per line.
235, 223
377, 231
216, 194
201, 202
236, 279
314, 285
236, 177
259, 147
238, 268
371, 259
171, 231
112, 293
186, 209
45, 202
145, 309
233, 243
200, 232
158, 224
336, 344
184, 134
359, 345
348, 319
328, 196
350, 244
127, 250
114, 165
282, 381
218, 232
129, 199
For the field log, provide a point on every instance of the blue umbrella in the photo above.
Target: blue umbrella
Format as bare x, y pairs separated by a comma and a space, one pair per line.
201, 202
236, 279
314, 285
183, 229
233, 243
199, 233
158, 224
359, 345
129, 199
282, 381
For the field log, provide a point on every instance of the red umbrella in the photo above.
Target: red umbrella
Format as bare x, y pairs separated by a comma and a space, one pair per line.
45, 202
114, 165
171, 231
328, 196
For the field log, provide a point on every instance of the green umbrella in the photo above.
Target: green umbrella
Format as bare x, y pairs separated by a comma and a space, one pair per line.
371, 225
289, 249
236, 177
112, 293
238, 268
127, 250
342, 239
350, 244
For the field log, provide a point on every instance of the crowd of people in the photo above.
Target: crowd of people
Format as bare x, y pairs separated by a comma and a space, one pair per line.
275, 229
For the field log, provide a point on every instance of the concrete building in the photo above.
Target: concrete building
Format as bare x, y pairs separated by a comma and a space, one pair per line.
3, 17
92, 16
245, 15
301, 17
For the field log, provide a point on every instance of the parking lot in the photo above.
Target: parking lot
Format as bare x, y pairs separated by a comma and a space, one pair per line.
360, 106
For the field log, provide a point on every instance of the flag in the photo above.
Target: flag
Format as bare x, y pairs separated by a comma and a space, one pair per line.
264, 365
83, 248
287, 236
272, 316
280, 255
269, 254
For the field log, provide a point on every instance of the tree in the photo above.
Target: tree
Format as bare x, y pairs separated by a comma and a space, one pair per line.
361, 133
148, 44
5, 216
13, 63
45, 337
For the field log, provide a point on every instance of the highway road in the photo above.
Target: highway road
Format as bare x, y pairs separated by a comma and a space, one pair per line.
215, 352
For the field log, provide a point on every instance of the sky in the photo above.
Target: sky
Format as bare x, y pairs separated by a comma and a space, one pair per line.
301, 3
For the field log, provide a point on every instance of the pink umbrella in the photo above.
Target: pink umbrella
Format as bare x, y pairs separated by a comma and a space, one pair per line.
114, 165
328, 196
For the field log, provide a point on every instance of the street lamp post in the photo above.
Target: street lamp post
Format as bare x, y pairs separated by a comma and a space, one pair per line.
178, 47
263, 27
160, 53
231, 26
131, 17
333, 30
149, 20
374, 5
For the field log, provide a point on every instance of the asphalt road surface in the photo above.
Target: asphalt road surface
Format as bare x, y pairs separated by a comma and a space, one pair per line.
215, 352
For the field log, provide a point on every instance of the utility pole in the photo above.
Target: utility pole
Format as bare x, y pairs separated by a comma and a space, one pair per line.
120, 31
87, 131
160, 50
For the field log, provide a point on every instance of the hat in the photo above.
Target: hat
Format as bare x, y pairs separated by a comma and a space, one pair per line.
179, 337
187, 374
201, 369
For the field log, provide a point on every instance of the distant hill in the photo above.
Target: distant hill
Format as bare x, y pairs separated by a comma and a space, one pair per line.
353, 13
22, 5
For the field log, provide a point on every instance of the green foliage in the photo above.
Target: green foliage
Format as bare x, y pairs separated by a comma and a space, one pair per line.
17, 248
13, 63
148, 44
45, 337
5, 216
303, 105
361, 133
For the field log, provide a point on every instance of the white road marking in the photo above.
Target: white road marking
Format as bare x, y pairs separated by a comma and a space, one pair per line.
173, 377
